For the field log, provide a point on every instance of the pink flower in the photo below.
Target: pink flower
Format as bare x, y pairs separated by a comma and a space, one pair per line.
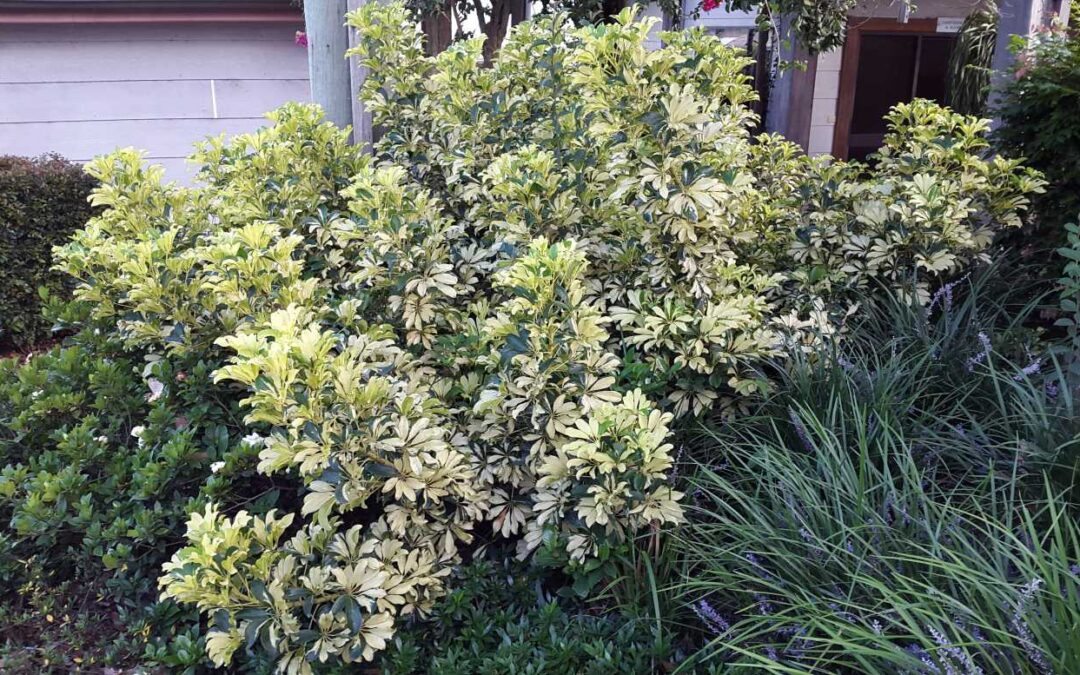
301, 36
1023, 64
710, 5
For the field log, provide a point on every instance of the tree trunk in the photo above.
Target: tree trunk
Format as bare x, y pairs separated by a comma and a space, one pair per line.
495, 30
517, 11
438, 29
762, 75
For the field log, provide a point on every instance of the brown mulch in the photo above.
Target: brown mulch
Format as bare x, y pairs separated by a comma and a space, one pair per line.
24, 354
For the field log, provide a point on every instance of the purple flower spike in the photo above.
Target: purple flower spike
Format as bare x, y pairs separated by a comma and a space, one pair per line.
973, 361
1022, 632
712, 619
944, 295
1029, 370
800, 430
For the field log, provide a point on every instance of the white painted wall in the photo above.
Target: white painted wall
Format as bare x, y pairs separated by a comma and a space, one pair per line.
823, 113
652, 10
84, 90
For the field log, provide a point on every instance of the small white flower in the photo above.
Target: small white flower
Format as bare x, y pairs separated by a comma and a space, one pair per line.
137, 432
101, 439
254, 440
217, 466
35, 394
156, 389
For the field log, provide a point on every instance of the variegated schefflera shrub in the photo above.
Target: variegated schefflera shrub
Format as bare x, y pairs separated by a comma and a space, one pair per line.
707, 248
571, 460
401, 464
172, 269
482, 335
402, 455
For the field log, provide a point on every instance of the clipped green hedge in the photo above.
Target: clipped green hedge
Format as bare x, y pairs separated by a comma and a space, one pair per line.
42, 201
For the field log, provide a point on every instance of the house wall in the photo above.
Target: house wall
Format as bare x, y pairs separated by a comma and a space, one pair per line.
823, 110
720, 20
924, 9
652, 10
83, 90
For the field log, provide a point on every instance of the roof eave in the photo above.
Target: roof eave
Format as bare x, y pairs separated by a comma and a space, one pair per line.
142, 11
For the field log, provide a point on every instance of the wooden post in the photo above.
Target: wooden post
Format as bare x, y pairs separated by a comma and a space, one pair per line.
363, 132
331, 83
1015, 17
778, 111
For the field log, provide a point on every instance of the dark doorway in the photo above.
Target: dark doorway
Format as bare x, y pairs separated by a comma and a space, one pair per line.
888, 68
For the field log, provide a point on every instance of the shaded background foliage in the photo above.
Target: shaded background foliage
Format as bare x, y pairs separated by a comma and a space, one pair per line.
1037, 106
42, 202
970, 63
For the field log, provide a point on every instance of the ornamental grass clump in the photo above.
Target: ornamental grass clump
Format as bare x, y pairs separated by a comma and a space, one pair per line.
861, 559
480, 338
891, 508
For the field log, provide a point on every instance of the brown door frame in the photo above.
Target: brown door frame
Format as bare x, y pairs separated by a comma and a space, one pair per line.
849, 68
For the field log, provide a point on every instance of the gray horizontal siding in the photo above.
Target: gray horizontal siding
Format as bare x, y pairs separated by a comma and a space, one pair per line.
144, 99
149, 60
176, 168
79, 141
83, 91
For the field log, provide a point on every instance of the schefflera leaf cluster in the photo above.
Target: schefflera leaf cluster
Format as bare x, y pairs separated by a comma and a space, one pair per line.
707, 247
401, 456
400, 466
482, 334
